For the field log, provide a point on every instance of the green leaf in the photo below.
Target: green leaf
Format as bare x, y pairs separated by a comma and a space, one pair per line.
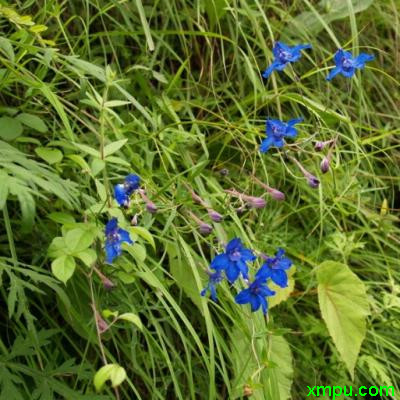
344, 307
33, 121
88, 150
282, 294
132, 318
4, 179
61, 218
57, 248
10, 128
63, 268
137, 251
51, 156
144, 233
114, 372
116, 103
88, 256
113, 147
79, 239
97, 165
7, 48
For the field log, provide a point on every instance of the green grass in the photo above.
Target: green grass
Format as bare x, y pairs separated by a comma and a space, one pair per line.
193, 103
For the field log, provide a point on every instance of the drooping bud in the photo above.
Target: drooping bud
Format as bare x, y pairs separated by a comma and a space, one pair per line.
319, 146
214, 215
277, 195
107, 283
205, 229
134, 220
254, 202
313, 181
325, 165
151, 207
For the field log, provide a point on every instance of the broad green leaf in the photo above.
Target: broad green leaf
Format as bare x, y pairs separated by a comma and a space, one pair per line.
88, 150
101, 190
7, 48
137, 251
4, 179
57, 248
88, 256
132, 318
63, 268
79, 239
97, 165
33, 121
126, 277
113, 147
344, 307
281, 372
61, 218
10, 128
114, 372
51, 156
144, 233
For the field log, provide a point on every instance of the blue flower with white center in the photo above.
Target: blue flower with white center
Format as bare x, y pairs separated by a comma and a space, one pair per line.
115, 236
123, 191
275, 268
256, 295
347, 65
284, 55
215, 279
276, 130
234, 260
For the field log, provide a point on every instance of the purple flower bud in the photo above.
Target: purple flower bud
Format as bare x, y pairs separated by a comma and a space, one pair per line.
319, 146
215, 216
107, 283
276, 194
151, 207
224, 171
324, 165
134, 220
196, 198
255, 202
102, 325
313, 181
205, 229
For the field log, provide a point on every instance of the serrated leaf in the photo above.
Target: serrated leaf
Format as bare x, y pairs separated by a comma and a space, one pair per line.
51, 156
33, 121
88, 256
113, 147
344, 307
63, 268
10, 128
114, 372
132, 318
79, 239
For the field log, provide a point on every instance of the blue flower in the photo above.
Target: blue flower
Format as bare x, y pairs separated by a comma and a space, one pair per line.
276, 130
215, 279
234, 260
123, 191
275, 268
347, 65
284, 54
255, 295
115, 236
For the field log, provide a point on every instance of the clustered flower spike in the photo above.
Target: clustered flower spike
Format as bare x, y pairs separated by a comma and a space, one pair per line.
276, 131
123, 191
283, 55
234, 260
347, 65
115, 236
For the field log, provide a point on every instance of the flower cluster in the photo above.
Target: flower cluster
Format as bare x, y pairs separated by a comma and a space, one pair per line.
233, 264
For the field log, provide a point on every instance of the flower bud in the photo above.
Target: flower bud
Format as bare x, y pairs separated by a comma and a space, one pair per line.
313, 181
319, 146
205, 229
276, 194
107, 283
101, 324
214, 215
224, 171
324, 165
196, 198
134, 220
255, 202
151, 207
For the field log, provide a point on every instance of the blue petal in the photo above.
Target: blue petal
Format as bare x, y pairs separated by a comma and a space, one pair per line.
120, 195
279, 143
232, 272
265, 291
266, 144
271, 123
279, 277
243, 297
124, 236
291, 132
221, 261
280, 46
235, 243
247, 255
341, 55
348, 72
263, 273
255, 302
295, 121
241, 265
284, 263
132, 182
111, 226
270, 69
333, 72
213, 293
204, 291
112, 250
359, 62
264, 304
302, 47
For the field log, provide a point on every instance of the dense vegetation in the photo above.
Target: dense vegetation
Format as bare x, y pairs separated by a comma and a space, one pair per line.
171, 90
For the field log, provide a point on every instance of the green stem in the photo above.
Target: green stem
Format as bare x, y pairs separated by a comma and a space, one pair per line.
10, 235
